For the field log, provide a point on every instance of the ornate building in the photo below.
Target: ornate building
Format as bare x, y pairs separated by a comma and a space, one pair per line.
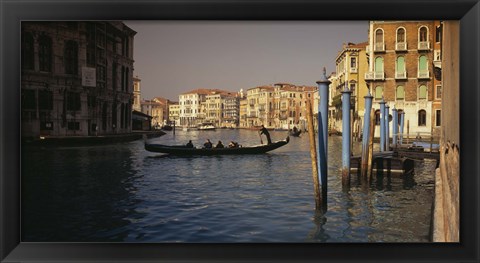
76, 78
401, 55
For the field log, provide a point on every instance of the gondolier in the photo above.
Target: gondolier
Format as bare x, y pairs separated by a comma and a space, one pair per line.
264, 130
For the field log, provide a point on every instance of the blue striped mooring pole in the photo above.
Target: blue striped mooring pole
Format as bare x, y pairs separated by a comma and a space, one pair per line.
402, 120
366, 133
394, 126
382, 125
323, 132
387, 128
346, 129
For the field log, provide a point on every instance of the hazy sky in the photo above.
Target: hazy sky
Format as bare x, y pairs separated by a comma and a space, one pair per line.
172, 57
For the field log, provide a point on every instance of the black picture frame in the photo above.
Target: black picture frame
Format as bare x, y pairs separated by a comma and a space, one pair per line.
13, 12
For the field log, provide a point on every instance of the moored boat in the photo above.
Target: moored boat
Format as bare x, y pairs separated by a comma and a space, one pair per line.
185, 150
206, 127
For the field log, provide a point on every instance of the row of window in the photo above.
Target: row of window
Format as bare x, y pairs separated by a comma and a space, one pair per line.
70, 59
401, 35
400, 66
400, 92
422, 117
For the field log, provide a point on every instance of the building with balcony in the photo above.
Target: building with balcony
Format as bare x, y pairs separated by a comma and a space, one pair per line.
351, 68
76, 78
401, 56
202, 105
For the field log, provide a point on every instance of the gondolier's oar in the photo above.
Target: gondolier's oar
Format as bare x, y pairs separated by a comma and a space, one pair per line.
261, 141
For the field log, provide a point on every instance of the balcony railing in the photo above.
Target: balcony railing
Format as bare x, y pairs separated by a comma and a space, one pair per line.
353, 70
423, 74
375, 75
401, 46
379, 47
400, 75
424, 45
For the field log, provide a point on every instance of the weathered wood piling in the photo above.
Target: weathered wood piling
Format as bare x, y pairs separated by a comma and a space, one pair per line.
387, 127
313, 155
382, 125
322, 150
394, 126
346, 150
366, 134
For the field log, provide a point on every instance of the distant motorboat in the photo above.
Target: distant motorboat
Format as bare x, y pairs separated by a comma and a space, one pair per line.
206, 126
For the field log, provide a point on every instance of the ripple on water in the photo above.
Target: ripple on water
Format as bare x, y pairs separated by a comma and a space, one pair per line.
123, 193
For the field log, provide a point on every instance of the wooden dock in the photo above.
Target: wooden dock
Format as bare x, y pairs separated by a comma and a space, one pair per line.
385, 163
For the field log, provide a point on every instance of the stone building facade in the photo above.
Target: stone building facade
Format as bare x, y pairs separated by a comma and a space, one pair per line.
401, 56
137, 94
76, 78
351, 66
158, 109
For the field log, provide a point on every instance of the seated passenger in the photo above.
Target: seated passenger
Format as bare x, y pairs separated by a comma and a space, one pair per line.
219, 145
190, 144
207, 144
233, 144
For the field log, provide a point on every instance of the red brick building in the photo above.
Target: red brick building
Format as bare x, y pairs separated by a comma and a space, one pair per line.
401, 70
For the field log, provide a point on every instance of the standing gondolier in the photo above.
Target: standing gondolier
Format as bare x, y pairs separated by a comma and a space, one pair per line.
267, 134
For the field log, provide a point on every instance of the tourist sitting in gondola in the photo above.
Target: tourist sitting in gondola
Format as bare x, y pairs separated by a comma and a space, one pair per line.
233, 144
208, 144
189, 144
219, 145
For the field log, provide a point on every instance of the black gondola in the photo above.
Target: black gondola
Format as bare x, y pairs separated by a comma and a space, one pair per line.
295, 133
184, 150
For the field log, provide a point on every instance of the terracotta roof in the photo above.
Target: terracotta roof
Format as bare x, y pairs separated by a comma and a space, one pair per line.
267, 87
206, 91
359, 45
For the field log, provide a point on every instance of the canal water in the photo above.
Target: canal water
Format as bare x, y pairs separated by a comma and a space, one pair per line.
122, 193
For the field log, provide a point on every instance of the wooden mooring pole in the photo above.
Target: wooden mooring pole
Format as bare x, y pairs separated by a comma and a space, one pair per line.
366, 134
346, 136
313, 155
408, 131
370, 145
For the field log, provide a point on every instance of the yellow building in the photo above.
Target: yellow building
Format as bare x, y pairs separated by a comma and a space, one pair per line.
174, 113
351, 66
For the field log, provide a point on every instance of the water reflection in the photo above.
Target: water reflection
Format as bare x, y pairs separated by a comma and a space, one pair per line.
123, 193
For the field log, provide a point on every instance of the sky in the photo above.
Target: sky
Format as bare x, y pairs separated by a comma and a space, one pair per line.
173, 57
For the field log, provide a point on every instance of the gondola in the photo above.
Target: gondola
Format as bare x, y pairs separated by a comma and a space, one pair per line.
184, 150
295, 133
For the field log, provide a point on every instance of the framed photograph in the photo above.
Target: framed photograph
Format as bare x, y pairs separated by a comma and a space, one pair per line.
82, 83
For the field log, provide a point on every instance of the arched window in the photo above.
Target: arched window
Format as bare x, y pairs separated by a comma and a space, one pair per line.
423, 67
422, 118
400, 67
45, 53
27, 51
422, 63
401, 35
378, 92
71, 57
400, 94
423, 34
422, 92
379, 40
379, 68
